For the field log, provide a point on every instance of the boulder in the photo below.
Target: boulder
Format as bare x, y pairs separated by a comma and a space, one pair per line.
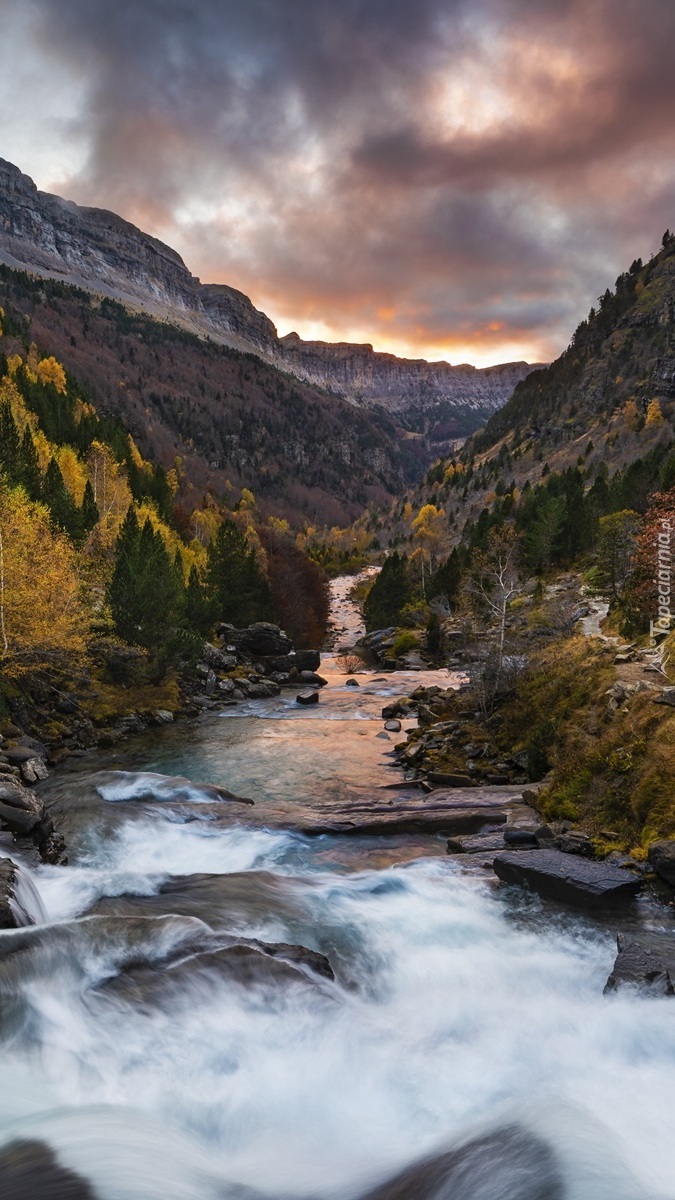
667, 697
33, 769
218, 659
662, 859
352, 683
508, 1164
574, 842
30, 1168
262, 688
307, 698
13, 914
272, 663
261, 639
393, 726
636, 965
310, 677
20, 810
307, 660
568, 878
517, 839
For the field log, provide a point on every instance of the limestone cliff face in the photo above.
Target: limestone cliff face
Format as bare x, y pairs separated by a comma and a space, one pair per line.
369, 378
100, 252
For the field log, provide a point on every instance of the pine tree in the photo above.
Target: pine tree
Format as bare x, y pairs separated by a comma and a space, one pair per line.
30, 475
10, 443
237, 587
388, 595
198, 614
63, 509
122, 590
89, 514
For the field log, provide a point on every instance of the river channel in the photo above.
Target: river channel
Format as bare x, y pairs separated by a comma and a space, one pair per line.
156, 1067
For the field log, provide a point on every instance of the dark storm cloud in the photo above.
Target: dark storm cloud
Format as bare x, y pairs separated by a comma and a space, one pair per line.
429, 172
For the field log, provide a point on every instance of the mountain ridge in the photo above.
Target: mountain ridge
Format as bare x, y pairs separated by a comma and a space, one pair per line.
99, 251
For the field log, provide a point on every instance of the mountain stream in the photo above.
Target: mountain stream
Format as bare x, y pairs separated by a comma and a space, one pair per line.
150, 1050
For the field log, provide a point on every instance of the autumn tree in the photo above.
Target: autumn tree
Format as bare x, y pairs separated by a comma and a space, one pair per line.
492, 583
429, 530
648, 595
40, 608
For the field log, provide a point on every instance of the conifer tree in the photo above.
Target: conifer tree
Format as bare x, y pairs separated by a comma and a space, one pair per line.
30, 475
89, 514
63, 509
237, 588
10, 443
198, 614
388, 595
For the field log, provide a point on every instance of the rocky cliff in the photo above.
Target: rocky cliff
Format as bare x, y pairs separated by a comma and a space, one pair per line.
100, 252
369, 378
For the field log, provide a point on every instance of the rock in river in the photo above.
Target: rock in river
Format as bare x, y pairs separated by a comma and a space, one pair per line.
637, 965
307, 698
567, 877
662, 859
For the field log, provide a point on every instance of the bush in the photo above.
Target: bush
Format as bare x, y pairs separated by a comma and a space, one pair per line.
404, 642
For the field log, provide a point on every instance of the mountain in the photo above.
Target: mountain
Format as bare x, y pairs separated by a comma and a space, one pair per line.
100, 252
606, 405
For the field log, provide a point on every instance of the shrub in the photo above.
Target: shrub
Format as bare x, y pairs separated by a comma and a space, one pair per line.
404, 642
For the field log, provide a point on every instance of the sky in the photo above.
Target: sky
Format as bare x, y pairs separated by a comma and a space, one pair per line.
447, 179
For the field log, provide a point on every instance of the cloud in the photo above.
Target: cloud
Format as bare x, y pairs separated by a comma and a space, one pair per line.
459, 176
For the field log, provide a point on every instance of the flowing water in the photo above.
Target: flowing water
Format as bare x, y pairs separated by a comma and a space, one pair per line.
145, 1051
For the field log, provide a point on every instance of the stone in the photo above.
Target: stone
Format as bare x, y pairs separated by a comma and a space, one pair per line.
218, 659
568, 878
262, 638
383, 735
506, 1164
397, 708
517, 838
30, 1168
164, 716
262, 689
211, 683
636, 965
19, 754
13, 914
307, 698
449, 779
352, 683
479, 843
667, 696
574, 842
33, 770
393, 726
20, 810
313, 679
662, 858
307, 660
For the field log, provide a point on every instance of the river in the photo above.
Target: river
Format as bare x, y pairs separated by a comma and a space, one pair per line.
158, 1065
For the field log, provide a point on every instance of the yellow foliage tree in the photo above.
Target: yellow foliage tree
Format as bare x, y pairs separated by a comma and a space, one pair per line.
40, 608
631, 414
111, 493
13, 363
49, 370
654, 413
73, 471
430, 533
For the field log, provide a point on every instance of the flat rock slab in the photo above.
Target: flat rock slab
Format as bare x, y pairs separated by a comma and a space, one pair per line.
567, 877
479, 843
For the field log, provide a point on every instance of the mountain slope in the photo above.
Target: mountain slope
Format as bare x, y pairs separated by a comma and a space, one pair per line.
98, 251
233, 419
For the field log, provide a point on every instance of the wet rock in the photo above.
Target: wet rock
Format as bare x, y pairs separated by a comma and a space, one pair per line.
307, 698
20, 810
352, 683
19, 754
509, 1164
13, 913
393, 726
299, 956
567, 878
662, 859
29, 1170
163, 716
307, 660
479, 843
33, 769
211, 682
636, 965
397, 708
383, 735
312, 678
262, 689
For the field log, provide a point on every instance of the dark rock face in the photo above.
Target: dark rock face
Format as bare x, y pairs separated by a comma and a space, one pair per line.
307, 660
510, 1164
21, 811
662, 859
568, 878
636, 965
29, 1170
307, 698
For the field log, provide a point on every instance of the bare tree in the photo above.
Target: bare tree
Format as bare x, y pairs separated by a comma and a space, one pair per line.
493, 582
